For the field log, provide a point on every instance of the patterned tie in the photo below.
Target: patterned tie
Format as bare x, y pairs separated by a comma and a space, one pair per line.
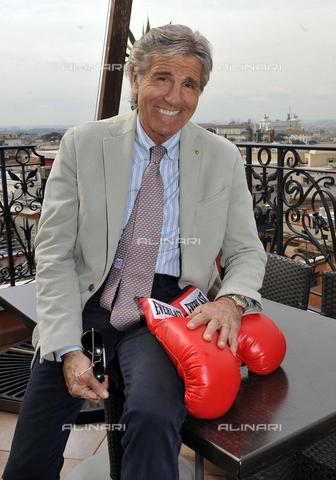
133, 269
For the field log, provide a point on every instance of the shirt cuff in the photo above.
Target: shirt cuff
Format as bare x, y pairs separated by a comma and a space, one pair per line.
252, 306
62, 351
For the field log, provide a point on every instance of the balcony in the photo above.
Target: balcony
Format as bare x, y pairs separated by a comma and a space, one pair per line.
294, 207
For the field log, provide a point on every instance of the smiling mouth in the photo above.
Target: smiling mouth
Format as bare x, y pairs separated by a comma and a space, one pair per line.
169, 113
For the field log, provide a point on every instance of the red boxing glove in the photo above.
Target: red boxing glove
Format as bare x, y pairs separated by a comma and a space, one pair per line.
189, 299
261, 344
211, 375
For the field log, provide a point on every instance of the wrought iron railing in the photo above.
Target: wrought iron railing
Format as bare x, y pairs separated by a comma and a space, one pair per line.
294, 205
22, 186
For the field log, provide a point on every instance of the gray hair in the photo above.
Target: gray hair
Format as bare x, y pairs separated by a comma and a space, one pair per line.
170, 40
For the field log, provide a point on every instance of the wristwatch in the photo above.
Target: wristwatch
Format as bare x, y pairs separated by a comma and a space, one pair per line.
239, 300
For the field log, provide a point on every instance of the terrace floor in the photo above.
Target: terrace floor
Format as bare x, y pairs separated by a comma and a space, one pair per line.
82, 444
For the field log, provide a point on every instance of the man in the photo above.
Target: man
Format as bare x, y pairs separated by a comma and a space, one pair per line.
147, 174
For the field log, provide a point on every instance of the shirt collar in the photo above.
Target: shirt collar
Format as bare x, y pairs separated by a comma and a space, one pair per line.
146, 142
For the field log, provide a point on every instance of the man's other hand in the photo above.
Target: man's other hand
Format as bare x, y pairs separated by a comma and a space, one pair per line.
80, 380
222, 315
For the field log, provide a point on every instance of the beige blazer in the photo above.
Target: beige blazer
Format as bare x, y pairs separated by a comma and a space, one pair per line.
85, 199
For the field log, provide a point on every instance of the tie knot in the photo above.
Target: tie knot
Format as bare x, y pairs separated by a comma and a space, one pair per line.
157, 153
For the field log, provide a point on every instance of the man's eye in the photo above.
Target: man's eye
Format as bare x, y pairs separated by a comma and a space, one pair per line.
189, 85
162, 78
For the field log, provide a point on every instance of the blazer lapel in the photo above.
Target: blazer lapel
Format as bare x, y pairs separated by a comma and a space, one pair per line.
118, 157
189, 170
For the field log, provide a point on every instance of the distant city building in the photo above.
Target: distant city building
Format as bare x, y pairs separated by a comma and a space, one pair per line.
320, 158
10, 140
293, 123
288, 126
13, 142
49, 154
233, 131
267, 130
301, 137
265, 123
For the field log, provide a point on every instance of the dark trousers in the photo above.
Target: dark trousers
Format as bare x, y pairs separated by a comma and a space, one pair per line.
153, 412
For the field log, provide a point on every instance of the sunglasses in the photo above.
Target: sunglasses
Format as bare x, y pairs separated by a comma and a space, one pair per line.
93, 348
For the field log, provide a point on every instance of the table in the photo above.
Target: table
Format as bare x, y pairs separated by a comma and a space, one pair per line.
20, 301
274, 415
278, 414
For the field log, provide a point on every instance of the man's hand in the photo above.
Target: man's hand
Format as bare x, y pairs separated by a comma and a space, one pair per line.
222, 315
83, 385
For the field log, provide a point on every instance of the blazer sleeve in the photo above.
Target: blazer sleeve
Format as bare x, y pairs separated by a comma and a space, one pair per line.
59, 314
243, 255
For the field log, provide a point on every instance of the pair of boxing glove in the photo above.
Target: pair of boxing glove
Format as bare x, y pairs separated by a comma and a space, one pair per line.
211, 374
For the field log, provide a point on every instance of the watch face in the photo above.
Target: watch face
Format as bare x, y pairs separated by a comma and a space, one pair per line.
240, 300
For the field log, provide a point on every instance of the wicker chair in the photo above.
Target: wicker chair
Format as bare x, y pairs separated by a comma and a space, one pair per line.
287, 281
328, 307
319, 460
113, 410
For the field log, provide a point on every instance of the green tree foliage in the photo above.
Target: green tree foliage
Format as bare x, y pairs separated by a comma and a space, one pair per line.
131, 38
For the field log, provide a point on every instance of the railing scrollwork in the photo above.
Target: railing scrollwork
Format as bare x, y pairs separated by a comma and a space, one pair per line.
294, 206
20, 205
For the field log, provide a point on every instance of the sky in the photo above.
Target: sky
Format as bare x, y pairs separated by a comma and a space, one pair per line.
269, 56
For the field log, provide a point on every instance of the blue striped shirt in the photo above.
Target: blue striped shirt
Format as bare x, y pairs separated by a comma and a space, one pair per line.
168, 260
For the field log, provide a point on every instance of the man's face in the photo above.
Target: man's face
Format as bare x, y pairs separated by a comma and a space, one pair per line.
168, 94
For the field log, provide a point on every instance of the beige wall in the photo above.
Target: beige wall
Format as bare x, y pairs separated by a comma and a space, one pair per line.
315, 158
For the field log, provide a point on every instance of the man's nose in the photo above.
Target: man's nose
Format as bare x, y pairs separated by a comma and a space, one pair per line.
173, 96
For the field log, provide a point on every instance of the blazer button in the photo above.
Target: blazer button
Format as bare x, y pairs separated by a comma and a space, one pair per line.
91, 287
